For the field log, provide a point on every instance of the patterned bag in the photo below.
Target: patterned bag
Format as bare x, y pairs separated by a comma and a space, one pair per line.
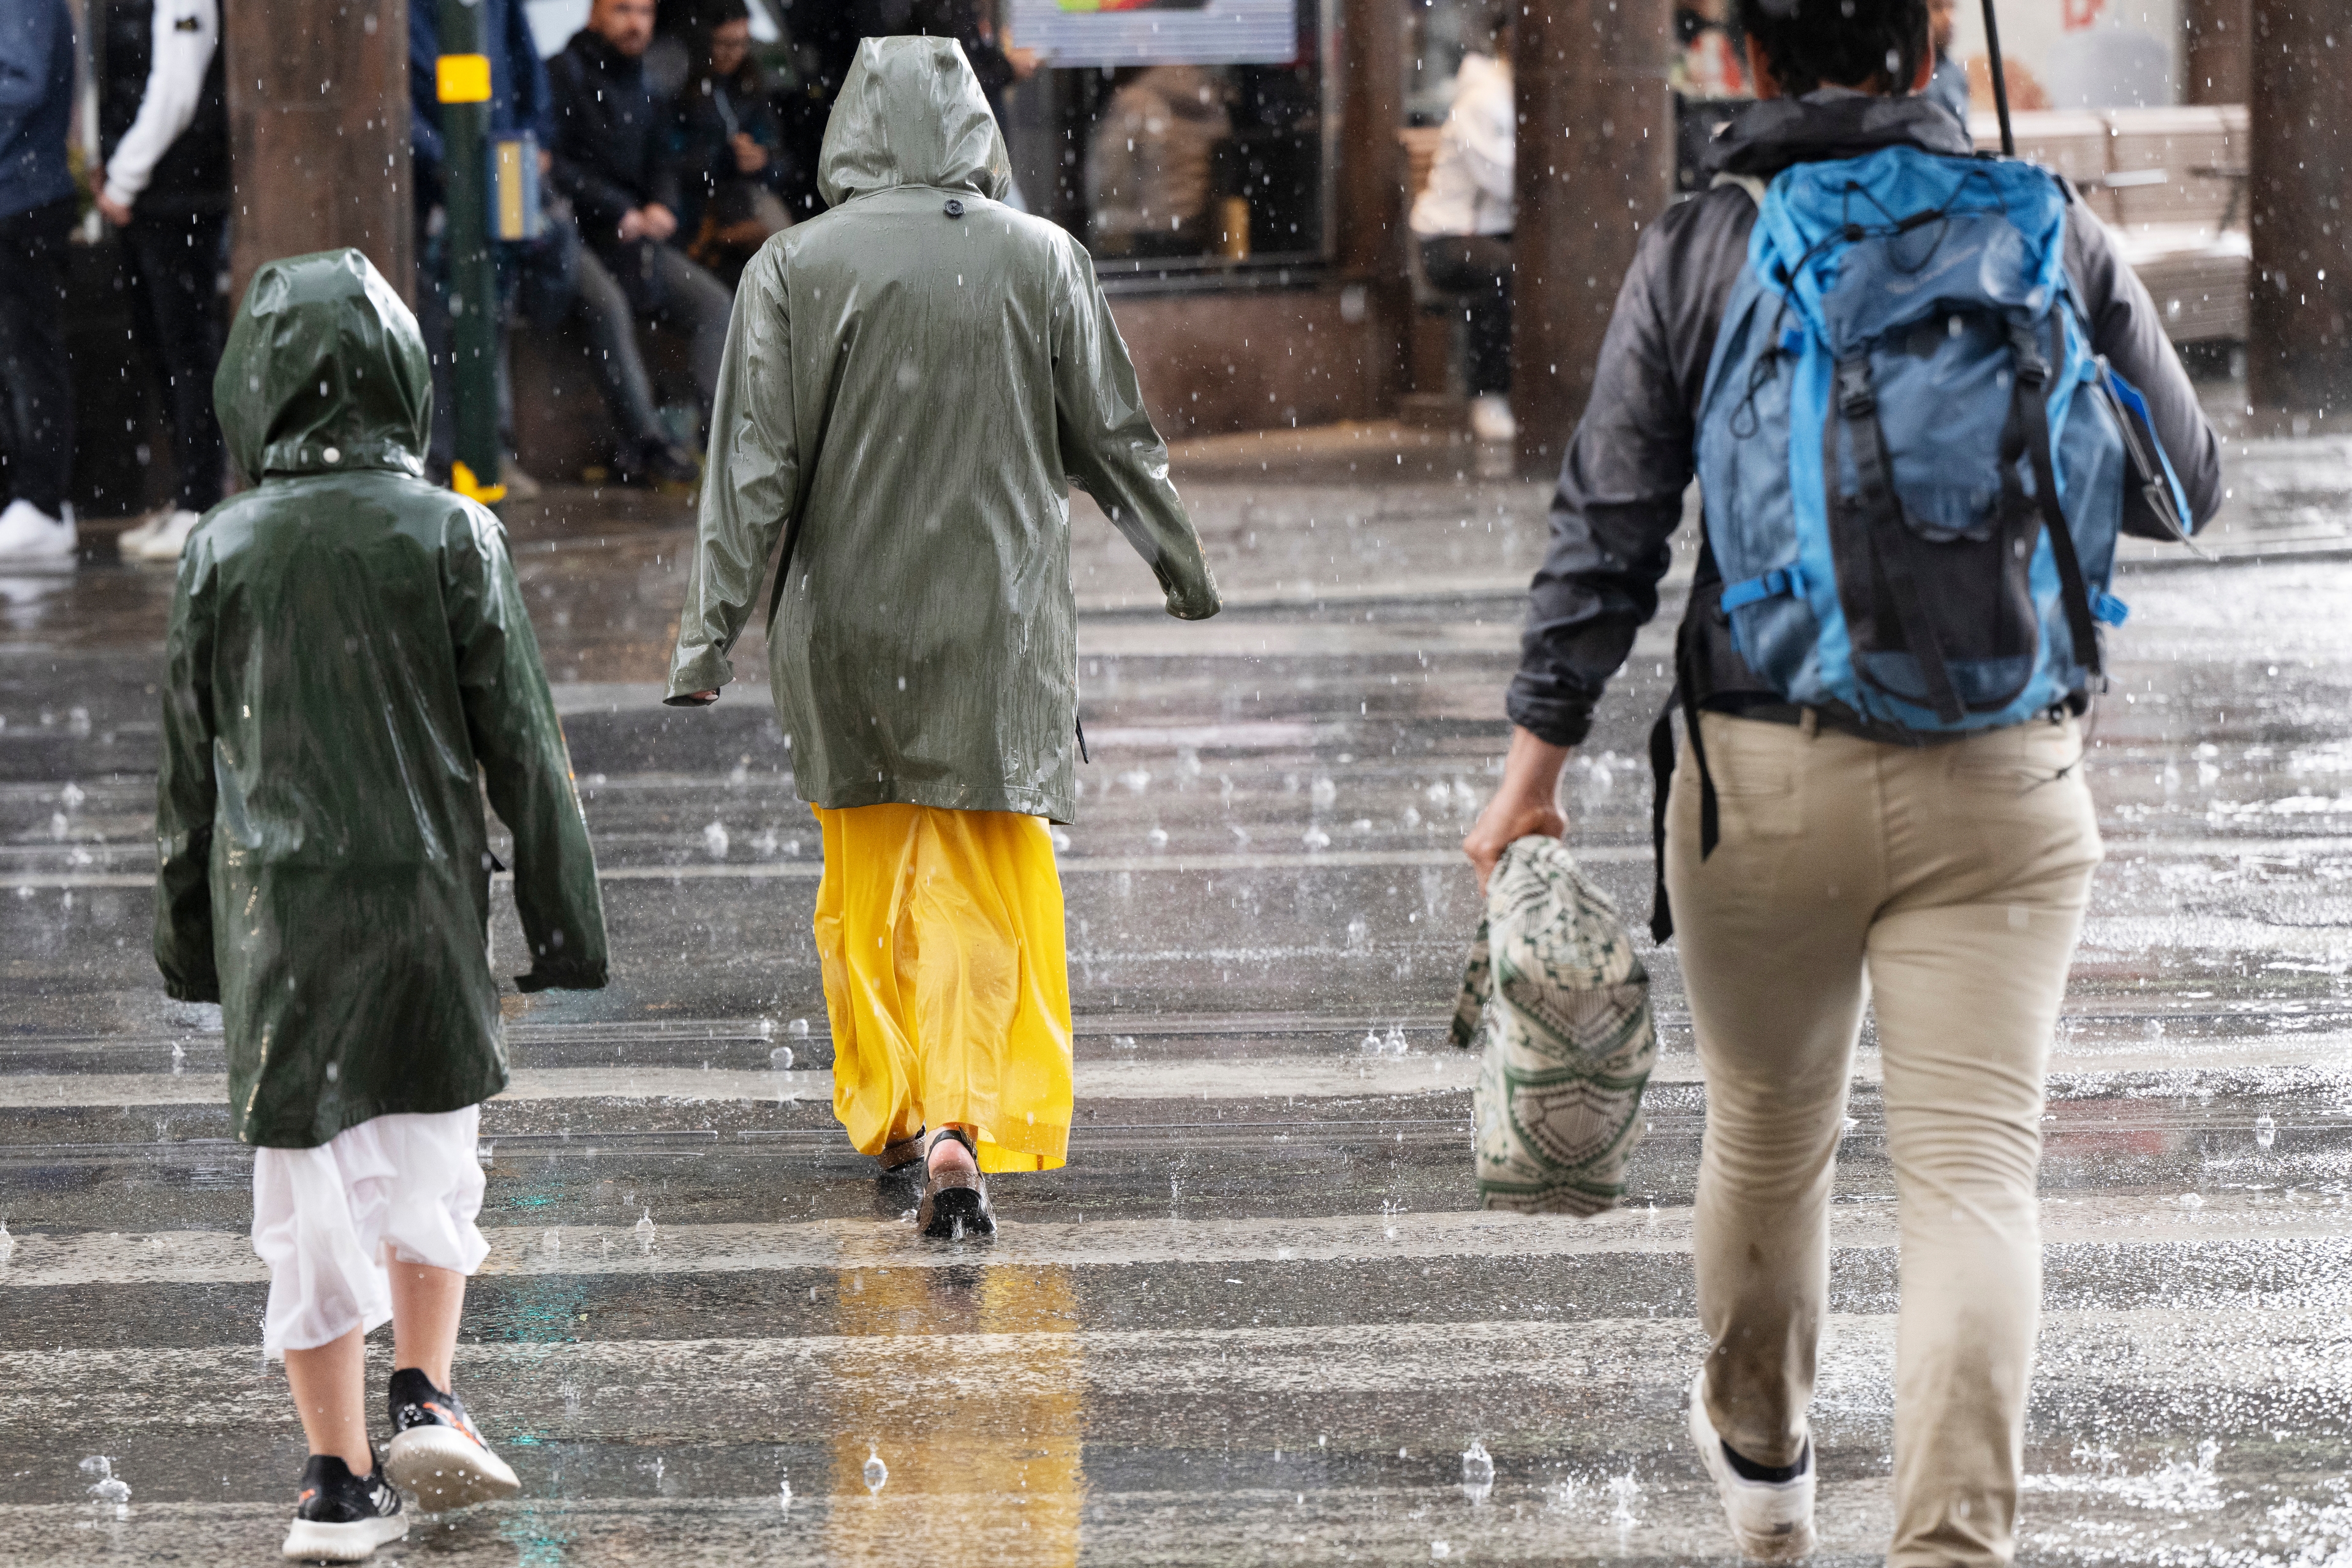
1560, 1005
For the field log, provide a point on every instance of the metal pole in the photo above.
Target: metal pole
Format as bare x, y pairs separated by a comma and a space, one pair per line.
462, 84
1999, 82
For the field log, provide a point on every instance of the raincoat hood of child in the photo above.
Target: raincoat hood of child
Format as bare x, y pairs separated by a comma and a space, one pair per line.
911, 113
324, 373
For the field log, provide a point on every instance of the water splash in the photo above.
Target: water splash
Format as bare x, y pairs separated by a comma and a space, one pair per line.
1477, 1472
876, 1473
2265, 1132
780, 1058
714, 840
644, 1230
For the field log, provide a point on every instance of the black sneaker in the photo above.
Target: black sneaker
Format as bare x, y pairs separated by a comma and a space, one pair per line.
435, 1451
342, 1518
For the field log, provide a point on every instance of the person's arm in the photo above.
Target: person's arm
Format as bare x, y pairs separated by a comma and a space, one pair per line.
1485, 135
2126, 327
186, 32
25, 84
1109, 448
517, 738
185, 790
750, 487
1613, 517
575, 168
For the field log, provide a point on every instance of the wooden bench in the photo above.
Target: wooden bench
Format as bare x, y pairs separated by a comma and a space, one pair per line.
2171, 183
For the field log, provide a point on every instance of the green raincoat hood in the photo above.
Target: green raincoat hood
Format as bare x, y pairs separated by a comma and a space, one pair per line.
911, 112
324, 373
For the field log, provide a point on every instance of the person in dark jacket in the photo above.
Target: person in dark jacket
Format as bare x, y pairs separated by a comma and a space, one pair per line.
731, 151
162, 122
36, 212
1943, 883
348, 665
612, 159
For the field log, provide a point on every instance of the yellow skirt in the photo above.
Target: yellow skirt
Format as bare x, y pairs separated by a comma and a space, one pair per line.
945, 978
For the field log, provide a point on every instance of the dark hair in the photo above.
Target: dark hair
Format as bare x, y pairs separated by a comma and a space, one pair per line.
1848, 43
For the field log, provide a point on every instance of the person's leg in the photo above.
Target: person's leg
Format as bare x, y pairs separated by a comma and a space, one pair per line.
869, 861
695, 302
179, 261
985, 964
427, 1304
1770, 930
1992, 844
36, 376
602, 309
329, 1386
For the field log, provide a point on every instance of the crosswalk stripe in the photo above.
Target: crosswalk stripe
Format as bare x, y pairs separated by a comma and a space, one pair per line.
227, 1257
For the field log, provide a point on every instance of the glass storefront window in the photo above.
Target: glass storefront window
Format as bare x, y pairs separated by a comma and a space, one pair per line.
1177, 169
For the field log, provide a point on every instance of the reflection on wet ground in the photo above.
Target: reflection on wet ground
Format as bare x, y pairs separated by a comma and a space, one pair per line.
1255, 1319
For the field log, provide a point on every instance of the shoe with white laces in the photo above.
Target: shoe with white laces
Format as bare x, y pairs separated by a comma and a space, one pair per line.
28, 534
1490, 418
435, 1451
1771, 1519
167, 542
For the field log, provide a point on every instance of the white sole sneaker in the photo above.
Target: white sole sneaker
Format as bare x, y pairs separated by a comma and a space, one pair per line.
1771, 1521
445, 1468
312, 1542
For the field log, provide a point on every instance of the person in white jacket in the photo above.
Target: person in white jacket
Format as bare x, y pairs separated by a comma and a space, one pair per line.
1462, 221
164, 132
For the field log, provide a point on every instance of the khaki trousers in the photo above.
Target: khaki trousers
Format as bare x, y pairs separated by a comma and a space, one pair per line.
1944, 885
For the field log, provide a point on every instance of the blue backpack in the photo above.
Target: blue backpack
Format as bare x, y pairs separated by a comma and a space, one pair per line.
1914, 467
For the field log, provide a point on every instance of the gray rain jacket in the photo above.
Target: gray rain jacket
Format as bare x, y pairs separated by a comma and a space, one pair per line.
1620, 488
912, 381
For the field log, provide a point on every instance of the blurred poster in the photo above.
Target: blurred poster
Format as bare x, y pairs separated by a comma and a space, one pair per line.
1157, 32
2077, 54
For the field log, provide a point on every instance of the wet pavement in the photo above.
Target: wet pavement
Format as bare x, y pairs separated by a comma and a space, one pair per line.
1257, 1318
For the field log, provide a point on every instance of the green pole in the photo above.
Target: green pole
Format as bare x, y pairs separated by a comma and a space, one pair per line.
463, 87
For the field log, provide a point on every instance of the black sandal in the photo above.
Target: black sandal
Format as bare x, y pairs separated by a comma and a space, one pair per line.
955, 1203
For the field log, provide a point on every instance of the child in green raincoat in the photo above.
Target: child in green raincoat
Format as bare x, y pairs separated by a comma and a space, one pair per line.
348, 661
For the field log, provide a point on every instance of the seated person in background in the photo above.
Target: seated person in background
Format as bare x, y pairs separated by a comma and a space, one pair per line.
732, 158
611, 158
1462, 221
1148, 167
1706, 61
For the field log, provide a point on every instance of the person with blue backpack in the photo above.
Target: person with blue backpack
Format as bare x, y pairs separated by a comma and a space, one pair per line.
1922, 394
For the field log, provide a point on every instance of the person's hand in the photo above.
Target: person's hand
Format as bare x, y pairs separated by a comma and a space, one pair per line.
1522, 805
707, 698
1024, 62
112, 211
633, 223
750, 156
661, 222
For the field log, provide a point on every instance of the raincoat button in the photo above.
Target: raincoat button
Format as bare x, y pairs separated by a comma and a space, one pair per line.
954, 207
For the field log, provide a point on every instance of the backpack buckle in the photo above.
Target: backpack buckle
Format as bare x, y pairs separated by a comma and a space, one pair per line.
1855, 397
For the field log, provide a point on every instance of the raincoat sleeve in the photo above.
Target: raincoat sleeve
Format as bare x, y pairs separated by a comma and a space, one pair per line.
1110, 450
510, 720
753, 485
186, 791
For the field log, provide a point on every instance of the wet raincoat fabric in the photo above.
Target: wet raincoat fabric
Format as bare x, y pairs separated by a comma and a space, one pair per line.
348, 662
912, 380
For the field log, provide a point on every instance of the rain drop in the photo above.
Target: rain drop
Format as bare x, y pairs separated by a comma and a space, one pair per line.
2265, 1132
1477, 1471
645, 1231
876, 1473
780, 1058
714, 840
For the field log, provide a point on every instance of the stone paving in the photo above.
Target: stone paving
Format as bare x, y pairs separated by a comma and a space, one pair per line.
1257, 1320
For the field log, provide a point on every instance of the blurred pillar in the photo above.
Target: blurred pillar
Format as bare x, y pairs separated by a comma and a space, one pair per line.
1596, 159
318, 106
1371, 190
2299, 337
2218, 56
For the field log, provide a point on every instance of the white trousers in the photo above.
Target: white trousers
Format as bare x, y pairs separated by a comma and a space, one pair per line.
323, 1219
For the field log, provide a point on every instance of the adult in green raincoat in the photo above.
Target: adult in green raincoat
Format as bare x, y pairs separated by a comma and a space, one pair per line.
912, 381
349, 662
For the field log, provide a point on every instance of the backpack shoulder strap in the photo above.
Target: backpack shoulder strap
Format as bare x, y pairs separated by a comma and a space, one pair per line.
1749, 182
